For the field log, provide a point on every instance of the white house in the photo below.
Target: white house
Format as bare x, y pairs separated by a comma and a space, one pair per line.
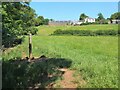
90, 20
116, 21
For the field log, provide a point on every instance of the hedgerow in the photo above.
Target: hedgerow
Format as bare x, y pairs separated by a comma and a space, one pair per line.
86, 32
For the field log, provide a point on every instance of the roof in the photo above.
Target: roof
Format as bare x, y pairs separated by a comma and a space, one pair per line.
116, 20
89, 18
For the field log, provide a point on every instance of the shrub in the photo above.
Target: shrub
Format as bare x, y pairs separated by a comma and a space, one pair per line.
85, 23
32, 30
106, 32
88, 23
18, 73
85, 32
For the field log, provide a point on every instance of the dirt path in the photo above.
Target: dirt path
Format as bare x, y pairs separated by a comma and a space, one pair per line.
70, 81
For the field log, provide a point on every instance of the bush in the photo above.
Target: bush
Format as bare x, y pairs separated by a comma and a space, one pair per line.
106, 32
11, 42
32, 30
86, 23
18, 73
85, 32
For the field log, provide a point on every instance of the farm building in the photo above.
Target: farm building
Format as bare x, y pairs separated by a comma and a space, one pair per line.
69, 22
58, 23
115, 21
90, 20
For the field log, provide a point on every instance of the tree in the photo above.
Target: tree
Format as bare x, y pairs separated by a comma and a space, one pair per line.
46, 21
83, 16
17, 19
41, 21
101, 18
115, 15
51, 19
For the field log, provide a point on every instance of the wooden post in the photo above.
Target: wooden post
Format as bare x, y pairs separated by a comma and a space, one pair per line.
30, 46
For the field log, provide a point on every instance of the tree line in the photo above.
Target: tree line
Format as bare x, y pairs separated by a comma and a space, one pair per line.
18, 19
100, 19
40, 20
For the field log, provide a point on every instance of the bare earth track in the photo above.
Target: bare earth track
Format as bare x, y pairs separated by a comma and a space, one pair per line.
69, 81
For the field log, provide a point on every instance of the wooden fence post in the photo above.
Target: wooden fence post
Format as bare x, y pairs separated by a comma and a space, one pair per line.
30, 46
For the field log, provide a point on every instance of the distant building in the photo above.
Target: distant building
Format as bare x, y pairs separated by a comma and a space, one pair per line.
77, 22
58, 23
69, 22
115, 21
109, 22
89, 20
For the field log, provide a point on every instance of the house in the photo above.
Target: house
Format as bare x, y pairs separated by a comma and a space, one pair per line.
116, 21
69, 22
86, 20
89, 20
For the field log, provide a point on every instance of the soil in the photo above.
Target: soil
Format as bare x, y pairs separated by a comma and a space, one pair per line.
70, 81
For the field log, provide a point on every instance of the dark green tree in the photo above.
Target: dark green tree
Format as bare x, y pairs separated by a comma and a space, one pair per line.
41, 20
17, 19
100, 18
115, 15
51, 19
46, 21
83, 16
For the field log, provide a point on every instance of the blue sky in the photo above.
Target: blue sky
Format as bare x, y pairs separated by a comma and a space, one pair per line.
72, 10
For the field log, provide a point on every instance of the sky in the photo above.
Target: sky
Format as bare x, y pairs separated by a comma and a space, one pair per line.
72, 10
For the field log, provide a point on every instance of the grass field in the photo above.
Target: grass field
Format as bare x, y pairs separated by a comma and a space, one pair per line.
95, 58
47, 30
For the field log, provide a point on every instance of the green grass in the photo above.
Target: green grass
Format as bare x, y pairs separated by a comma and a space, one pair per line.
95, 58
47, 30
